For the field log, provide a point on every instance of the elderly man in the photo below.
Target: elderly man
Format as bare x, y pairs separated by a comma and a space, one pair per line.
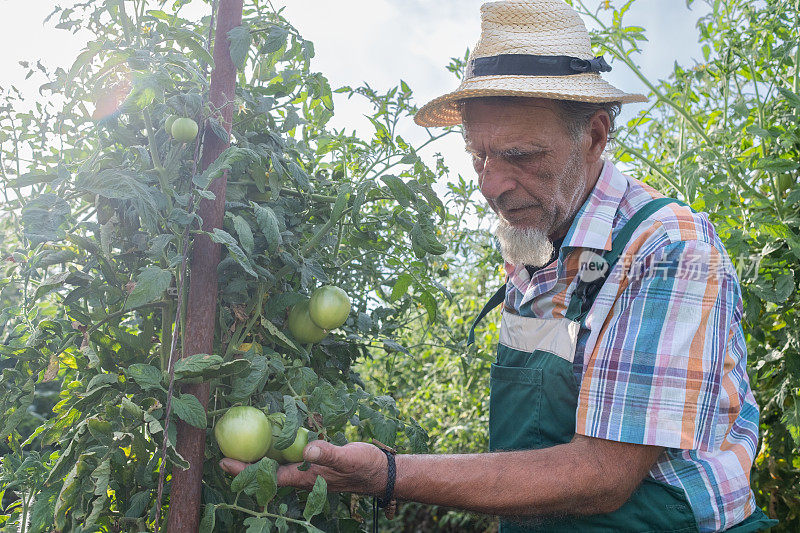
619, 398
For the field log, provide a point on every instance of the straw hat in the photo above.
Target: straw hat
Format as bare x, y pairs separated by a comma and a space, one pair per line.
535, 48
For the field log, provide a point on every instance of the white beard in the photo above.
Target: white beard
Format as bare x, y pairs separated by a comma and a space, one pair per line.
523, 246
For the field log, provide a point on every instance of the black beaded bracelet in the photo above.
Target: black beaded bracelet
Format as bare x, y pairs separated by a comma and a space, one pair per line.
390, 479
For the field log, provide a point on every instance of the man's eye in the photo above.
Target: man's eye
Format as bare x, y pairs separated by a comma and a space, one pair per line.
517, 157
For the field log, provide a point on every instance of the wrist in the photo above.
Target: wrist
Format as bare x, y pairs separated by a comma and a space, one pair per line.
386, 492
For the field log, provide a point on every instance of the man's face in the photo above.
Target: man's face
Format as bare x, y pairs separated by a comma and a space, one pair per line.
530, 170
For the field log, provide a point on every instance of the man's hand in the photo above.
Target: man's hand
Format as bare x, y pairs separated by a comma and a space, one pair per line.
357, 467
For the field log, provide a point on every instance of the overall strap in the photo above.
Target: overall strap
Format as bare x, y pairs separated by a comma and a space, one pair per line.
493, 302
585, 292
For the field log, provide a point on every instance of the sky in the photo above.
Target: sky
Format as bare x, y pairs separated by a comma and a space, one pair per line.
374, 41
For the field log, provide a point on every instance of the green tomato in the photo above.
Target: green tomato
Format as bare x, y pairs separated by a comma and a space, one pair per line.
294, 453
302, 327
244, 433
170, 120
329, 307
184, 129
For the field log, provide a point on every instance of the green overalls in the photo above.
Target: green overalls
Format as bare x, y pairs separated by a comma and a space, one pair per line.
534, 398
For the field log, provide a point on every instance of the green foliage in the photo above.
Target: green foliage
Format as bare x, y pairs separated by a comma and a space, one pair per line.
100, 211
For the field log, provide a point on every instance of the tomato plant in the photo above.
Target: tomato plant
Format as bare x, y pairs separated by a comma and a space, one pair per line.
100, 216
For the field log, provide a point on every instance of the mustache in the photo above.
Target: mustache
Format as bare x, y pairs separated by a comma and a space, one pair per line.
504, 203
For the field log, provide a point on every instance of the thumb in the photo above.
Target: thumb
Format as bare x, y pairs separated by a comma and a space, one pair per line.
322, 453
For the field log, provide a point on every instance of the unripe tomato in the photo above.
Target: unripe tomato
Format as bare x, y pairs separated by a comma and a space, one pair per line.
302, 327
184, 129
292, 454
329, 307
243, 433
170, 120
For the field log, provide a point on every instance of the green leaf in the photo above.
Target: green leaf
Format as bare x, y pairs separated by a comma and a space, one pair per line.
245, 480
218, 130
258, 525
191, 40
102, 476
101, 380
401, 286
400, 190
240, 41
267, 480
43, 509
316, 500
792, 98
417, 437
51, 283
151, 283
42, 218
275, 332
244, 386
32, 178
334, 404
120, 184
268, 223
209, 518
282, 525
784, 286
290, 425
244, 232
429, 303
146, 376
223, 237
778, 165
276, 38
138, 505
231, 156
197, 365
189, 409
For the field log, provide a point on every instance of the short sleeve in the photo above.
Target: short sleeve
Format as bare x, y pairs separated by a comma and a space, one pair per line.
653, 376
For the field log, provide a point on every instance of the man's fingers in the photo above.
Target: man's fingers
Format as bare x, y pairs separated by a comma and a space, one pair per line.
323, 453
232, 466
290, 476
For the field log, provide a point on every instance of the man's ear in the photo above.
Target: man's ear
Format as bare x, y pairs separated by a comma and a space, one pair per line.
599, 126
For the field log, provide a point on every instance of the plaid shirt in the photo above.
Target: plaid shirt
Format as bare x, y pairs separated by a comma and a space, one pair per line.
662, 358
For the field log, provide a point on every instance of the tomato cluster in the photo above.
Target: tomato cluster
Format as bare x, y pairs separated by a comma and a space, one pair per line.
310, 320
246, 434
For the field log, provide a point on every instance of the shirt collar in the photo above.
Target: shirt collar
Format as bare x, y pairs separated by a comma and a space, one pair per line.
591, 227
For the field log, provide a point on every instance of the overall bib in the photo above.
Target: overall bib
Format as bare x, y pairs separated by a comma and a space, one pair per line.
534, 397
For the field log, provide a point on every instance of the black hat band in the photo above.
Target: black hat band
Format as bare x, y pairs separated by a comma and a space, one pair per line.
532, 65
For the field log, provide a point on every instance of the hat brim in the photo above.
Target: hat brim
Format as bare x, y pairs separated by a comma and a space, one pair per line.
443, 111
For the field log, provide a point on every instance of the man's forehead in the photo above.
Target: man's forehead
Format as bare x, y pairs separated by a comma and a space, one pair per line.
520, 121
490, 114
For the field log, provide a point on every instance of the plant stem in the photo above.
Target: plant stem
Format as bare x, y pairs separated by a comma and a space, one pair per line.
262, 514
641, 157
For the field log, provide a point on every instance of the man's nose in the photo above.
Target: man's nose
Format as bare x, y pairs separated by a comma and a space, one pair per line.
496, 178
